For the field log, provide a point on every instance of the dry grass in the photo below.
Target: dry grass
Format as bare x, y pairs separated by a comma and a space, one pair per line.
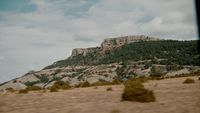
172, 96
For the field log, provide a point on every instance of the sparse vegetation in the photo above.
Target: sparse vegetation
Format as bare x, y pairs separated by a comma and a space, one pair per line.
3, 83
53, 89
189, 81
83, 84
57, 71
180, 52
31, 83
10, 89
23, 91
173, 67
33, 88
135, 91
43, 78
59, 85
109, 89
15, 81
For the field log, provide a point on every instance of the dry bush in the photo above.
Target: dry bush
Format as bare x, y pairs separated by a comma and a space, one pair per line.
33, 88
116, 81
53, 89
140, 79
23, 91
59, 85
10, 89
83, 84
109, 89
102, 83
158, 78
199, 78
189, 81
135, 91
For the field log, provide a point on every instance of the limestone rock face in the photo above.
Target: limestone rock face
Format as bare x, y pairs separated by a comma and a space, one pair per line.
110, 43
120, 41
82, 51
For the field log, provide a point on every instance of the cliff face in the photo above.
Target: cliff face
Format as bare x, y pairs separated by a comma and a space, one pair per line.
83, 51
110, 43
120, 41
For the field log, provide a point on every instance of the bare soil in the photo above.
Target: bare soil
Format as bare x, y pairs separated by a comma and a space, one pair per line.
172, 96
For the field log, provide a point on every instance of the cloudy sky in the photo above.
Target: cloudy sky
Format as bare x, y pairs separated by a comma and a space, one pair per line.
36, 33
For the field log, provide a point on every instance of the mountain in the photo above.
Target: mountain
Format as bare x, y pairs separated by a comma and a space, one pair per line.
116, 59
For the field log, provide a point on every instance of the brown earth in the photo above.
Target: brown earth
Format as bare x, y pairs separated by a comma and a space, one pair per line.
172, 96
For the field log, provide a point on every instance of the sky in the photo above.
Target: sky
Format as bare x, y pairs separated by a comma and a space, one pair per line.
36, 33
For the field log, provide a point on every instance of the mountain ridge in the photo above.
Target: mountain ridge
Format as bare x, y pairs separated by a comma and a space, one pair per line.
121, 59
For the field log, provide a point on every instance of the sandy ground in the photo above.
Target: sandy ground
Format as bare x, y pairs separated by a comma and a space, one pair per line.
172, 96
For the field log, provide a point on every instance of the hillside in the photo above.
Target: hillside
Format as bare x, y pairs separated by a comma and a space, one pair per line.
117, 59
170, 51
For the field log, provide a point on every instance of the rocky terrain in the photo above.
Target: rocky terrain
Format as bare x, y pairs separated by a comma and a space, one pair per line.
116, 59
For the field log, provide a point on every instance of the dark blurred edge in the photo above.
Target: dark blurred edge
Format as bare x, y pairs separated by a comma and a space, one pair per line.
197, 16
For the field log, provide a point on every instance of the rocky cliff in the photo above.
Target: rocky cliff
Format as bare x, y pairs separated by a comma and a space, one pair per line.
83, 51
110, 43
120, 41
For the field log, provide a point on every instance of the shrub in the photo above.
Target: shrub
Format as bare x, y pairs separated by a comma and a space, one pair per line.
59, 85
84, 84
116, 81
102, 83
43, 78
109, 89
31, 88
14, 81
23, 91
53, 89
135, 91
10, 89
189, 81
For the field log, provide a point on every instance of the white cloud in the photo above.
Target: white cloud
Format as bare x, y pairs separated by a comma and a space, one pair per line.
2, 57
36, 39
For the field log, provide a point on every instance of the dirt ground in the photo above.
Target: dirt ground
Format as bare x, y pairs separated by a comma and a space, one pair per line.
172, 96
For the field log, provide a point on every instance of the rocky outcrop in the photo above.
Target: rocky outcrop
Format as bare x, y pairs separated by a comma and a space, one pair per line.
120, 41
83, 51
110, 43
